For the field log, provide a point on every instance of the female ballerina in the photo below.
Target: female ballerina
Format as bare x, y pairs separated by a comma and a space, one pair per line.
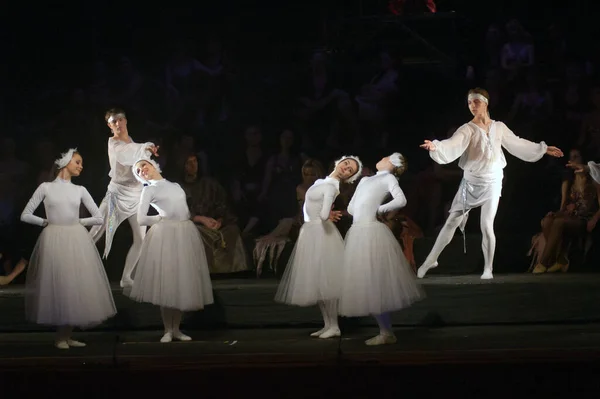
172, 271
377, 278
66, 282
479, 145
312, 275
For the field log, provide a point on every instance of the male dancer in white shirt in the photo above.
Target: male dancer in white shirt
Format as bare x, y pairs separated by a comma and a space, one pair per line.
479, 145
124, 190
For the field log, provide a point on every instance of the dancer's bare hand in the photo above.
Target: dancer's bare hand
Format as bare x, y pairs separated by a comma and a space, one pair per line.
335, 216
555, 152
429, 146
577, 167
153, 149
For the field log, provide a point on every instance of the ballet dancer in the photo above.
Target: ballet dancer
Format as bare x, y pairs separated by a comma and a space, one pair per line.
377, 278
172, 271
479, 145
313, 273
66, 282
123, 194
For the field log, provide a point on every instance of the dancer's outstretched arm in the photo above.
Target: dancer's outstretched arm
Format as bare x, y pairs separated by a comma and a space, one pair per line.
129, 153
592, 168
446, 151
527, 150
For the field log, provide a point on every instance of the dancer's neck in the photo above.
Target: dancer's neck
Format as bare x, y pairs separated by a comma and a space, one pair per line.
64, 175
482, 119
122, 137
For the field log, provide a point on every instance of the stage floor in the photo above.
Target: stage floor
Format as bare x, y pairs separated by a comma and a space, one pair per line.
483, 361
451, 301
517, 335
140, 350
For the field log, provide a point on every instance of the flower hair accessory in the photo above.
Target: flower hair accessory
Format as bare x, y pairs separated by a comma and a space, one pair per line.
358, 173
397, 159
140, 178
65, 158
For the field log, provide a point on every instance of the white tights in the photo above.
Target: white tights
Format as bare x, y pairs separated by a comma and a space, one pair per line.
171, 319
488, 244
384, 322
138, 232
329, 311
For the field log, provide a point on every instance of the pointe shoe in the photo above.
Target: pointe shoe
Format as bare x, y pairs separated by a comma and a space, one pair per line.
487, 275
557, 267
168, 337
381, 340
539, 269
331, 332
126, 283
61, 344
318, 333
424, 269
75, 344
178, 335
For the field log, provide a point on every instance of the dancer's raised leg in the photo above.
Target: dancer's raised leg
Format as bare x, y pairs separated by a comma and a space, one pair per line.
443, 239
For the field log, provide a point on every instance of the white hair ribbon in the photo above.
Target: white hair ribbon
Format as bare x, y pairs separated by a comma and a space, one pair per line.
477, 96
134, 169
65, 158
114, 117
397, 159
358, 173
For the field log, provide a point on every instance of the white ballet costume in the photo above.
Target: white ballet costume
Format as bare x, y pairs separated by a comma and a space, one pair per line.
66, 282
483, 161
313, 273
377, 278
172, 271
122, 200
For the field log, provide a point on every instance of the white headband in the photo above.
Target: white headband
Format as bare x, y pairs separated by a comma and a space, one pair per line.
477, 96
140, 178
65, 158
397, 159
358, 173
115, 117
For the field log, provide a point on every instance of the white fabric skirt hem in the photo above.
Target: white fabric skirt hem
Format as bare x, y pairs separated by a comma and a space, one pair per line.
314, 269
173, 270
376, 277
66, 282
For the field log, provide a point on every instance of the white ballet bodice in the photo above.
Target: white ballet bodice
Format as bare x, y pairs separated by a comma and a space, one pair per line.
121, 157
319, 199
167, 198
370, 193
62, 200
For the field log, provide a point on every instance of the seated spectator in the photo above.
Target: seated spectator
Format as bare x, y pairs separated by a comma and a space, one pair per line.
211, 213
578, 214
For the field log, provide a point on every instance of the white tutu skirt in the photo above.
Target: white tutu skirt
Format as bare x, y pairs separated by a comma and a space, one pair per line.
314, 269
66, 282
173, 271
376, 276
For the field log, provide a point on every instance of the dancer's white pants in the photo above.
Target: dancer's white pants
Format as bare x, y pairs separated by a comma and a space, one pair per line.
488, 244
